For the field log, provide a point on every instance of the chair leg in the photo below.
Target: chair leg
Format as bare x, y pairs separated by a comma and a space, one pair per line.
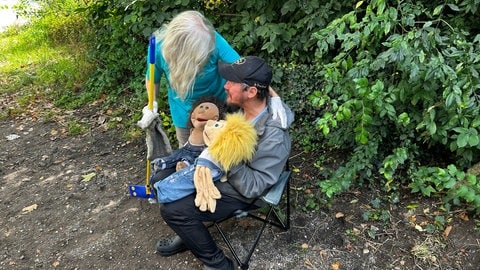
282, 223
245, 263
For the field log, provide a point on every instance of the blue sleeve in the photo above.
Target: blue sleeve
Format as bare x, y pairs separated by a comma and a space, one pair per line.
225, 52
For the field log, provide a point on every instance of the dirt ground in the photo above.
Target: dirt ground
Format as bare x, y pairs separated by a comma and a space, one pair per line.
64, 204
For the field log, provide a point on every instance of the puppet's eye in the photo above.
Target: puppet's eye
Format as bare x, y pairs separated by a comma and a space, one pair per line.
217, 125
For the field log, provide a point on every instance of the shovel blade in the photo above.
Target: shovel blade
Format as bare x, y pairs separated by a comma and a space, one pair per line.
140, 191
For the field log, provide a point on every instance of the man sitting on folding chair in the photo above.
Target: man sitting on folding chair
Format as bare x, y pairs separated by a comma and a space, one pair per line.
247, 86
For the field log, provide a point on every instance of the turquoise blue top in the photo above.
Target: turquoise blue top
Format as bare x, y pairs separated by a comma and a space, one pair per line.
208, 82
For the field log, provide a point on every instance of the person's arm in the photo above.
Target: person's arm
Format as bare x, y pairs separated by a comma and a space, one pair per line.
278, 110
226, 52
272, 92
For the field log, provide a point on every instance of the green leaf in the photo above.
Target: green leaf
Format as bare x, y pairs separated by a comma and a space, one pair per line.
289, 6
325, 130
453, 7
449, 101
432, 128
472, 179
359, 3
450, 183
331, 39
361, 82
473, 140
437, 10
404, 119
462, 140
362, 137
347, 113
470, 195
462, 191
427, 191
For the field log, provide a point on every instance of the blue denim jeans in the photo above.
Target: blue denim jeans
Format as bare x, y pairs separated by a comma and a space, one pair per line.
180, 184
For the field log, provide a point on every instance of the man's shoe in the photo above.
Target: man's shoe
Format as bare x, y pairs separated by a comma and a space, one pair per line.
170, 246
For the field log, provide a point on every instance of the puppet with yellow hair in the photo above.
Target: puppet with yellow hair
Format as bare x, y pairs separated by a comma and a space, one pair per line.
230, 142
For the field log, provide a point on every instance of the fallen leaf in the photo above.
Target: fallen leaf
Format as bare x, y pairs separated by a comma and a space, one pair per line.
88, 177
418, 228
446, 232
323, 253
349, 218
56, 263
30, 208
336, 265
413, 219
304, 246
101, 119
464, 217
339, 215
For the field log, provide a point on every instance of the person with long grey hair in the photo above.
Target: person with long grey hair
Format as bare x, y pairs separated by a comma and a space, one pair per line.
187, 52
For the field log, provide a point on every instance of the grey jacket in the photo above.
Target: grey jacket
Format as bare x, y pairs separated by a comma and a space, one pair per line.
247, 181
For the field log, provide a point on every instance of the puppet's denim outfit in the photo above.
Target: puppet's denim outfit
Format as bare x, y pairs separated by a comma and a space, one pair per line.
180, 184
188, 153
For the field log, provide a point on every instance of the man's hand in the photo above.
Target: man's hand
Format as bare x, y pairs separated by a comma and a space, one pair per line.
278, 111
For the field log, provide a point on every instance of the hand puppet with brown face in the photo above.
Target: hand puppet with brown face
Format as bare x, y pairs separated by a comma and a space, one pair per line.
204, 109
207, 108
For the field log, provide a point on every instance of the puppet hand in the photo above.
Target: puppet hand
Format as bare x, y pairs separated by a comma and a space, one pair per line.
148, 116
207, 192
278, 111
181, 165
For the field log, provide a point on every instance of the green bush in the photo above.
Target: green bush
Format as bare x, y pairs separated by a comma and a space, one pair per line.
401, 87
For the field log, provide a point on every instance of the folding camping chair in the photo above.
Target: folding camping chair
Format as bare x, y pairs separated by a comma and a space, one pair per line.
271, 200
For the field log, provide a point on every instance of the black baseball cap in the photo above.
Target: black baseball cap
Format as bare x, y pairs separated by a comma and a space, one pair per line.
251, 70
